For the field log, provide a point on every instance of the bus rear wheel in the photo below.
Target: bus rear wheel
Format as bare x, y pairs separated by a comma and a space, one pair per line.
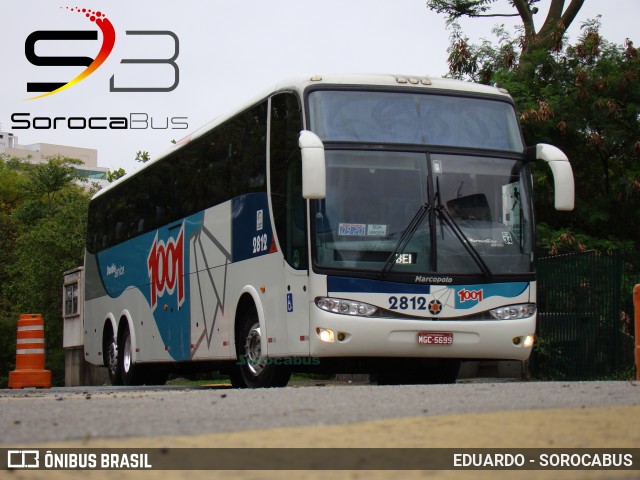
252, 369
110, 349
129, 372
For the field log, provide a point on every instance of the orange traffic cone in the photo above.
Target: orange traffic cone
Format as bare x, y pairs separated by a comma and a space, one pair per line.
30, 370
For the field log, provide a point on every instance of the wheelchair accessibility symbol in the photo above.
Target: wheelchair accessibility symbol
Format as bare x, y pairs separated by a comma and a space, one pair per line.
289, 302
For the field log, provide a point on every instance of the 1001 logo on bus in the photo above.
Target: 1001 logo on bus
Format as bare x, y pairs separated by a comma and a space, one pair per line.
166, 268
470, 295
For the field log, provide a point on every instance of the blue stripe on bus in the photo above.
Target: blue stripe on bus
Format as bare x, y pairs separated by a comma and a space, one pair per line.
251, 231
127, 266
466, 296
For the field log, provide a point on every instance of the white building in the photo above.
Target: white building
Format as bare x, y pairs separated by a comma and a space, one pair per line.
39, 152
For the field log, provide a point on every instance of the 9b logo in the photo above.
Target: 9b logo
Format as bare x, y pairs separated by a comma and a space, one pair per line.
92, 64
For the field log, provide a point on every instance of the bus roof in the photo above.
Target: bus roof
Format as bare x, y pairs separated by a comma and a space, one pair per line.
388, 80
302, 82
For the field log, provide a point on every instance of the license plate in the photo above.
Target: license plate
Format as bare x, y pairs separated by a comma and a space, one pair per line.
435, 338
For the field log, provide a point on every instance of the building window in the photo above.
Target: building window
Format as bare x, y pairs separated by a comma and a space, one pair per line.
71, 299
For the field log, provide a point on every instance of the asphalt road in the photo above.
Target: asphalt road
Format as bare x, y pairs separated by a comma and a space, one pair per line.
464, 415
62, 414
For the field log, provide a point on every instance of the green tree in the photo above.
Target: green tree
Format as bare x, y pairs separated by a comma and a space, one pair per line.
534, 44
47, 222
11, 195
585, 99
142, 156
113, 175
46, 180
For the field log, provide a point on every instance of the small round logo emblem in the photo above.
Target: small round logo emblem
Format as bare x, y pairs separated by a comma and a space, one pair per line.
435, 307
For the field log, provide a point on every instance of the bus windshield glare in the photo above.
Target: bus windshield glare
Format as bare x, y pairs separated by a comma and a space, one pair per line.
450, 212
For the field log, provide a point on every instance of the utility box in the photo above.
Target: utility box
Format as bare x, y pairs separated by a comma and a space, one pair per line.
77, 371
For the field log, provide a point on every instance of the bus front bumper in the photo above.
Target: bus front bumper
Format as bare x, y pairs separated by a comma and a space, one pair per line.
335, 335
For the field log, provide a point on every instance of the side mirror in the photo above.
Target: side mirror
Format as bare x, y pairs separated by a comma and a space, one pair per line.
314, 184
563, 183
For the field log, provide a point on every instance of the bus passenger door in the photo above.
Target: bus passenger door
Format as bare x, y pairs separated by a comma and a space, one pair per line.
291, 227
290, 216
298, 313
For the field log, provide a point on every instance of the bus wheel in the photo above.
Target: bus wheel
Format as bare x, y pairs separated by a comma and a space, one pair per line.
253, 370
110, 349
128, 371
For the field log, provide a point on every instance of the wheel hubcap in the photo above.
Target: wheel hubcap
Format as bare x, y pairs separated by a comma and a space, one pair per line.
112, 357
126, 355
253, 351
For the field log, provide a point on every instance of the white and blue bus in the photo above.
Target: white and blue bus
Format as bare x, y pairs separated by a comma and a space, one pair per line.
372, 223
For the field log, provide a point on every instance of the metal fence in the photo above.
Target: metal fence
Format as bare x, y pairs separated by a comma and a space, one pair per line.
585, 315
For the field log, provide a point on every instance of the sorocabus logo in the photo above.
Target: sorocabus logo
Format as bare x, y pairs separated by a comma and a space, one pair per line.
165, 265
108, 41
92, 64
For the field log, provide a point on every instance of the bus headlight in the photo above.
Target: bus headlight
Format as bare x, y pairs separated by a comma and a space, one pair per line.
513, 312
345, 307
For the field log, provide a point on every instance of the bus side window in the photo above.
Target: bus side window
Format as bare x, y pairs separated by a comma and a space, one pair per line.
289, 208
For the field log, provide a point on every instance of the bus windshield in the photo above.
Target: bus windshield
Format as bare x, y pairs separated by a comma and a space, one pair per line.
414, 118
478, 208
431, 205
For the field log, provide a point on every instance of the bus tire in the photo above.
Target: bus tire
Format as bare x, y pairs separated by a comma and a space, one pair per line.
110, 355
129, 372
252, 369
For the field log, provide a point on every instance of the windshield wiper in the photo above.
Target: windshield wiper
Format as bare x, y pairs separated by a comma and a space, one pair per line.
406, 237
457, 231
